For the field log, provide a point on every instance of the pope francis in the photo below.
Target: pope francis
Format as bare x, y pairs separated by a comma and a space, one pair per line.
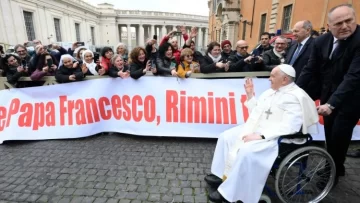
245, 154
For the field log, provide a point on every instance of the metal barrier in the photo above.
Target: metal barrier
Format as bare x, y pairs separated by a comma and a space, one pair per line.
50, 80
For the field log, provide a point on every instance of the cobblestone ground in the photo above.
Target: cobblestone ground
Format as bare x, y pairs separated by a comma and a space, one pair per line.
121, 168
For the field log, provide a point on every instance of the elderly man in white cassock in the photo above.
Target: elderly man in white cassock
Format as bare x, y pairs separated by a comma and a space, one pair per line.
245, 154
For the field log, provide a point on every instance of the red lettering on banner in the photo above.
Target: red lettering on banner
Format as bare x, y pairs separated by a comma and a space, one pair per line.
195, 109
25, 119
244, 108
127, 114
171, 106
137, 115
63, 109
14, 109
92, 110
211, 107
232, 109
150, 109
39, 117
116, 106
2, 118
105, 114
80, 117
50, 116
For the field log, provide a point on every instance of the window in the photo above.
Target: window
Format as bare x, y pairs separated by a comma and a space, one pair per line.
92, 30
29, 25
262, 24
214, 6
77, 31
57, 29
286, 18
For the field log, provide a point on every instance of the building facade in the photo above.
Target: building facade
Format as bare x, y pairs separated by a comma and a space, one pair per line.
250, 18
75, 20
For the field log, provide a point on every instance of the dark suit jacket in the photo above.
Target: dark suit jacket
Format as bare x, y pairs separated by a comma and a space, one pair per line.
340, 76
270, 60
302, 58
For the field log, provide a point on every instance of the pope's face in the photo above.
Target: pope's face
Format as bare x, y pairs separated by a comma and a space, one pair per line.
277, 79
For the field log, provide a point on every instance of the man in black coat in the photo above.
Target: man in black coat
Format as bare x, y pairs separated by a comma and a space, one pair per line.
336, 58
299, 52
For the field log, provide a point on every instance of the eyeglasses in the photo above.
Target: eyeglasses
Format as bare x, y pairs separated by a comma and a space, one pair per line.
245, 47
189, 56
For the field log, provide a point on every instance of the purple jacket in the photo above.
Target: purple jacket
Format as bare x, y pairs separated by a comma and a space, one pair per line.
38, 74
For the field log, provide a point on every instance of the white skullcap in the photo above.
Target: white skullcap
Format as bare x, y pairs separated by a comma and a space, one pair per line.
287, 69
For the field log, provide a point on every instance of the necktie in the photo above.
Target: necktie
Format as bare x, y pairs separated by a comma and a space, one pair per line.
336, 49
295, 54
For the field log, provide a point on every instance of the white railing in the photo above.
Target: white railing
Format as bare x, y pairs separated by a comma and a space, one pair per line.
159, 14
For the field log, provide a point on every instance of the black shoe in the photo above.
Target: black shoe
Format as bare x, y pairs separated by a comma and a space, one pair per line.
216, 197
213, 180
354, 154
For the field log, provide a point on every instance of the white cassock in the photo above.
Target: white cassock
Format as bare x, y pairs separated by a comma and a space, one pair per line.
246, 166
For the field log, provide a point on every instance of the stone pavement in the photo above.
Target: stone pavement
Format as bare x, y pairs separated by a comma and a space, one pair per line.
121, 168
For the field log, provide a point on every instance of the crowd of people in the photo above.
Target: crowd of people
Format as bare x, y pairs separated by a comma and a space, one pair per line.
327, 68
166, 58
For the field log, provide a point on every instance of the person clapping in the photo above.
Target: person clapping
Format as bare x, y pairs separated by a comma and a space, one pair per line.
118, 67
70, 70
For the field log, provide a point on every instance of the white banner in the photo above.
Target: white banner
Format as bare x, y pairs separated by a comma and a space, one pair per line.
153, 106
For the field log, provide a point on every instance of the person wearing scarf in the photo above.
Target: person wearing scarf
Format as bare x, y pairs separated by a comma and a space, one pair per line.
106, 54
187, 65
276, 56
212, 61
69, 71
93, 68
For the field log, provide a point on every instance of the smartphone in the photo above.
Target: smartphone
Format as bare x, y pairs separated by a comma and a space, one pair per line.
155, 37
177, 33
49, 62
80, 43
96, 57
23, 63
153, 65
173, 65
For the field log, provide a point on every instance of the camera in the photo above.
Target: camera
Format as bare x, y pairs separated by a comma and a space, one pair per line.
254, 59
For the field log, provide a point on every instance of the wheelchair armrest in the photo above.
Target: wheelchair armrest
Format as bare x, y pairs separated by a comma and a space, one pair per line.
298, 135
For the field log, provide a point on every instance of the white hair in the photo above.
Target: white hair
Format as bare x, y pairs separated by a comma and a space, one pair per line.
68, 56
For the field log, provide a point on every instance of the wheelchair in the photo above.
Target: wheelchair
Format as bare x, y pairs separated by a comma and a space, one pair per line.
302, 173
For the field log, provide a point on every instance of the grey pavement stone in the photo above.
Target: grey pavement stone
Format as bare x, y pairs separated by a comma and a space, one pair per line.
125, 201
122, 168
143, 196
154, 197
100, 200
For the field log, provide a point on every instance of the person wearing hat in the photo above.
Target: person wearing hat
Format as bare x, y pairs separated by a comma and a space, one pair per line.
226, 49
245, 154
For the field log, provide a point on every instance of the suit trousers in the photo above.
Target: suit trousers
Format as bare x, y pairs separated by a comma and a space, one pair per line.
339, 128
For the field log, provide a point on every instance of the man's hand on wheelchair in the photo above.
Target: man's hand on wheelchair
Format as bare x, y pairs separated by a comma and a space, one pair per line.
251, 137
324, 110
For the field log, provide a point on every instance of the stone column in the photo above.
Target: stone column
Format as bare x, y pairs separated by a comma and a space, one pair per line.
141, 35
152, 31
137, 35
146, 32
206, 37
129, 36
163, 31
199, 40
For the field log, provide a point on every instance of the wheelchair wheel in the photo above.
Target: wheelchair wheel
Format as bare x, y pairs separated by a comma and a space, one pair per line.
264, 199
305, 175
